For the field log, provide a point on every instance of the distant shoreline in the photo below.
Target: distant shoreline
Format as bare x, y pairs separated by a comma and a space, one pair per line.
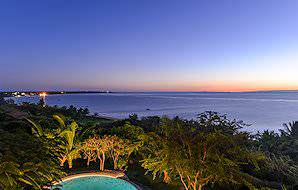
33, 93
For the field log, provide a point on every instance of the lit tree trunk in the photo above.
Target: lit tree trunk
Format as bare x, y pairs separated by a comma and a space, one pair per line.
203, 182
166, 177
100, 160
194, 185
101, 157
183, 182
88, 161
69, 160
200, 187
116, 162
115, 165
62, 160
103, 162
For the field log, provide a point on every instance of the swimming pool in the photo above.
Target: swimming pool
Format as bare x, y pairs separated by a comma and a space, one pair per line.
94, 183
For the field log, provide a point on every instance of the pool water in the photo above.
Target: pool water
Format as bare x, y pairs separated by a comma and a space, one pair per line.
95, 183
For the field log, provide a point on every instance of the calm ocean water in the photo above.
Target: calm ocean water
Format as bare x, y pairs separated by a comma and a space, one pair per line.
263, 110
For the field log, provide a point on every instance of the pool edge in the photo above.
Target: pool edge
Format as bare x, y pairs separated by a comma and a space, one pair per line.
111, 174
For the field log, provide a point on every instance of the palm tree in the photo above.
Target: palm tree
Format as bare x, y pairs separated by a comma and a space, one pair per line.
289, 138
68, 134
291, 129
9, 175
269, 141
64, 137
28, 174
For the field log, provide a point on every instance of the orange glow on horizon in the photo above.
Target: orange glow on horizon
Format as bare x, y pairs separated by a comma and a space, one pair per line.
230, 86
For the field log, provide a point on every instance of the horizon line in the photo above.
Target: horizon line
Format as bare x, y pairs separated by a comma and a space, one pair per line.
152, 91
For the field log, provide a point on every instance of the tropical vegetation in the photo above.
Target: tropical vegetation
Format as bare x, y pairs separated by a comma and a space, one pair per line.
40, 144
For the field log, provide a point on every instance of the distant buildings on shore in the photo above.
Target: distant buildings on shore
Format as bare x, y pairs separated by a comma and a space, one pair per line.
35, 93
18, 94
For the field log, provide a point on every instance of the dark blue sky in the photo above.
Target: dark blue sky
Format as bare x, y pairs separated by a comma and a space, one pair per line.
143, 45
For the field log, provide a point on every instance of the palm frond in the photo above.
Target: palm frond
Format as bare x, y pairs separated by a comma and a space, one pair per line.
60, 120
36, 129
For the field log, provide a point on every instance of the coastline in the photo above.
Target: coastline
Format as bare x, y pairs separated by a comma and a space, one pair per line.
34, 93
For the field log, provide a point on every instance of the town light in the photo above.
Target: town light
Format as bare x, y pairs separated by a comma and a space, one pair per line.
43, 94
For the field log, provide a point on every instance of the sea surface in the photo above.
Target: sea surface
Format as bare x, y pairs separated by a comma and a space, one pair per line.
263, 110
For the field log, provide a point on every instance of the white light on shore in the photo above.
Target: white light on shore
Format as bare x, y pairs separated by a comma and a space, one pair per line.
43, 94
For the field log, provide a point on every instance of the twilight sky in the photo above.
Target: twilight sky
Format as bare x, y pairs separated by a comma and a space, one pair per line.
149, 45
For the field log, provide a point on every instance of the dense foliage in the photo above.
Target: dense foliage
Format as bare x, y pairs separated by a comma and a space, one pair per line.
209, 150
40, 144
